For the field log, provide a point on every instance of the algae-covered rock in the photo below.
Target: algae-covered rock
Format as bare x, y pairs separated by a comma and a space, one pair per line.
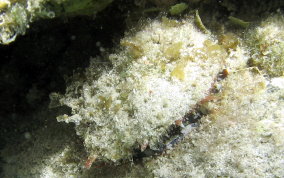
267, 43
16, 16
241, 137
161, 74
163, 71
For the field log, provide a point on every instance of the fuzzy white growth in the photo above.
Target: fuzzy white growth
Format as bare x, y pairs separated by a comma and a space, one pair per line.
164, 70
242, 137
159, 75
267, 44
17, 15
278, 82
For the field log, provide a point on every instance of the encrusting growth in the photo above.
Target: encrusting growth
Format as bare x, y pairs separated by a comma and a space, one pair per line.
17, 15
267, 44
162, 72
242, 135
